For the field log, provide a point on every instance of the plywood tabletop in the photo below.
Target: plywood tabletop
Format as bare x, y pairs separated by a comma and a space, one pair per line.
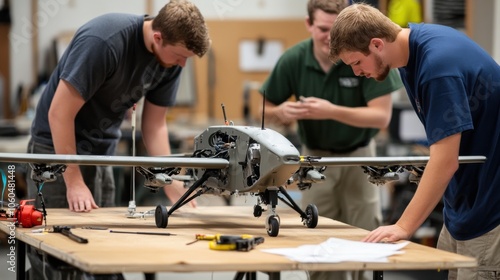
108, 252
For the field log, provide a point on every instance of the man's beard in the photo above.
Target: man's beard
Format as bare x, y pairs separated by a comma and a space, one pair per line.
385, 69
158, 58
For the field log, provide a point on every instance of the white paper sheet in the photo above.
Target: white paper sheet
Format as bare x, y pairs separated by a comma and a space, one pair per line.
339, 250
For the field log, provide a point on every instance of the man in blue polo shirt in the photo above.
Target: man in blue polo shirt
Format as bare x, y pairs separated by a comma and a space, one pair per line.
454, 87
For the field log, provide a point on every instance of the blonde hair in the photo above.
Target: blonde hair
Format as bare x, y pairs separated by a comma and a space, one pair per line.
356, 25
180, 21
327, 6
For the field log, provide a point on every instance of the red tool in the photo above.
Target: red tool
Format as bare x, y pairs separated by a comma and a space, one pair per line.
24, 215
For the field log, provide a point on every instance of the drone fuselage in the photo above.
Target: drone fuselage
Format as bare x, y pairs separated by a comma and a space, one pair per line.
258, 158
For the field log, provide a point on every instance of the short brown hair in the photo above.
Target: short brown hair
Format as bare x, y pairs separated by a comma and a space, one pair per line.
327, 6
180, 21
356, 25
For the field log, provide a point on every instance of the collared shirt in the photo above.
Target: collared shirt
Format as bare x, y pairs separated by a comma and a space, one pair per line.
298, 73
454, 86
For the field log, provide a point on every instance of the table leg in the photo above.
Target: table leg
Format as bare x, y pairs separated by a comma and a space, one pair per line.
378, 275
274, 275
21, 260
249, 275
253, 275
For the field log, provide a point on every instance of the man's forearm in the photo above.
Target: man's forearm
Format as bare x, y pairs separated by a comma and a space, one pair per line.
442, 165
65, 143
156, 141
362, 117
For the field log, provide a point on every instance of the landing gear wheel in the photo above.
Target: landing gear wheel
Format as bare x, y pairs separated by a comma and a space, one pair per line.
273, 226
257, 211
312, 216
161, 216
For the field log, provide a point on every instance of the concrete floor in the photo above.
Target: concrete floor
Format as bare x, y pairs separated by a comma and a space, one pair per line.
212, 200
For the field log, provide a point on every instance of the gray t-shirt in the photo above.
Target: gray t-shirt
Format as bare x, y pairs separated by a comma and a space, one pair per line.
108, 64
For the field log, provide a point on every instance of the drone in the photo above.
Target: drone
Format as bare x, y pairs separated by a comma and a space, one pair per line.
236, 160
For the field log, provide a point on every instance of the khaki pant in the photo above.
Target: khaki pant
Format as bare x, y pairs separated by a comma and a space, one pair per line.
348, 197
485, 248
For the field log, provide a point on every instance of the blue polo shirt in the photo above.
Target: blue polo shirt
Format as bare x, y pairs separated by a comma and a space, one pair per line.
454, 86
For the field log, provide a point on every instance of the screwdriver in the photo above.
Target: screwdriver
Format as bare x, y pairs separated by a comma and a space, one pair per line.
199, 236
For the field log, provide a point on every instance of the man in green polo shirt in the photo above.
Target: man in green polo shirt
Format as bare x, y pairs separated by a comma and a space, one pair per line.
338, 115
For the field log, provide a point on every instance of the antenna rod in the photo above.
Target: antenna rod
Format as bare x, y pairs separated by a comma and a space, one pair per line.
263, 107
224, 113
131, 203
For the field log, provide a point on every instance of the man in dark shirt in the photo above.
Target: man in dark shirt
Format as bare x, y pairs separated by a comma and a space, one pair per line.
111, 63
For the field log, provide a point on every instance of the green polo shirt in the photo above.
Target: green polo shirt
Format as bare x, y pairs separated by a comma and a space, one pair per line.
298, 73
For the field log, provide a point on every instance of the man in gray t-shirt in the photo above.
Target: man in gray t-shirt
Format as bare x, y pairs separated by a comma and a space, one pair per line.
112, 62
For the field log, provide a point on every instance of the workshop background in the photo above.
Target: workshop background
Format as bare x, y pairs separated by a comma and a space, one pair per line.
248, 37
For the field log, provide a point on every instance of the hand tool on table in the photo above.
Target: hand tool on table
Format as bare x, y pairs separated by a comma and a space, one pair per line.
199, 236
66, 230
244, 242
95, 227
143, 232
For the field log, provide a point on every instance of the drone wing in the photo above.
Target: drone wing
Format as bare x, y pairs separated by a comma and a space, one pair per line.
379, 169
379, 161
167, 161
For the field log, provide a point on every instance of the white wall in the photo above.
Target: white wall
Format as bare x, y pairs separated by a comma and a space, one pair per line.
53, 17
249, 9
56, 16
20, 44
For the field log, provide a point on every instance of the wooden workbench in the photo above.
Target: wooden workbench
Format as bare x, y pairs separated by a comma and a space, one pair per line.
108, 252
